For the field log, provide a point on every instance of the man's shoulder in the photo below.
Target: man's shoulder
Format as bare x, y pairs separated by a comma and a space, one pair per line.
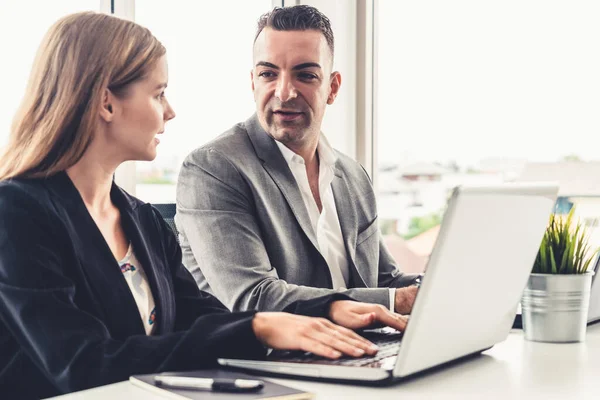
352, 168
232, 144
346, 160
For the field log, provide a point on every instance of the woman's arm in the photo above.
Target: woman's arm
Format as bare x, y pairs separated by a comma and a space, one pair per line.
73, 348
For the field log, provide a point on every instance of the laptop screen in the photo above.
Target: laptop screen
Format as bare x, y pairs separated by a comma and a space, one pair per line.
594, 309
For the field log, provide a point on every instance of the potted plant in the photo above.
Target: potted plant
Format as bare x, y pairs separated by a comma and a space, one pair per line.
556, 299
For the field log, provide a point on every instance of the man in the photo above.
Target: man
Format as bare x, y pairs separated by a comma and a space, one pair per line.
268, 212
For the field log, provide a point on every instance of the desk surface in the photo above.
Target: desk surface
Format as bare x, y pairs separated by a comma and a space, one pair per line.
515, 368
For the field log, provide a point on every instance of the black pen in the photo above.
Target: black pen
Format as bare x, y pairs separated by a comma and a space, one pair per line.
220, 385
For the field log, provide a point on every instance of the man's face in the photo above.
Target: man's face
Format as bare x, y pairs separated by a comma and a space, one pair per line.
292, 83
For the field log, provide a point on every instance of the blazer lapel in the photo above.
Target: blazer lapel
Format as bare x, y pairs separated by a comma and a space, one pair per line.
139, 235
346, 210
280, 172
100, 266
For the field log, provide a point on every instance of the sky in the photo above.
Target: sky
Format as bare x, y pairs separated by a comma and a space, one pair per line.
464, 80
459, 80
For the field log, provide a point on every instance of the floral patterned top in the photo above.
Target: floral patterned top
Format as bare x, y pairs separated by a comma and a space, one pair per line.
138, 283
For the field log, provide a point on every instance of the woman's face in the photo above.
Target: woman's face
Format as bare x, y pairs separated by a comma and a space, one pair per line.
140, 115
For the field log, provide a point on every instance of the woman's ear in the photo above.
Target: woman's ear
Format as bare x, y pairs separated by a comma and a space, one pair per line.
106, 108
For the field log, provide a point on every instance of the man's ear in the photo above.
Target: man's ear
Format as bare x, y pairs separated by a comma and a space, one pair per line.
106, 107
335, 81
252, 79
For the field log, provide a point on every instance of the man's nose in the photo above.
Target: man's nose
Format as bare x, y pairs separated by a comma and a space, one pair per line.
285, 90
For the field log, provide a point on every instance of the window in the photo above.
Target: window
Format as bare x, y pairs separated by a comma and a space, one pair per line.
23, 24
480, 91
209, 52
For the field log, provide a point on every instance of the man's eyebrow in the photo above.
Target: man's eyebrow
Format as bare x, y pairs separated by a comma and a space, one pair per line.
266, 64
306, 65
161, 86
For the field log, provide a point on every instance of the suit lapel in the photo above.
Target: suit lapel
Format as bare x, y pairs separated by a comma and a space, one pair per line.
346, 210
280, 172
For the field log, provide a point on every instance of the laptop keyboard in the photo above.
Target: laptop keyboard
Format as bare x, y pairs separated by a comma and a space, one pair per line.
388, 341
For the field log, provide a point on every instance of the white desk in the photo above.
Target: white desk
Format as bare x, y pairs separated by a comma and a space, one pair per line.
513, 369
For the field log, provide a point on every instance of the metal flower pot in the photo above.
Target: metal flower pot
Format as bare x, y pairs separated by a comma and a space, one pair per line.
555, 307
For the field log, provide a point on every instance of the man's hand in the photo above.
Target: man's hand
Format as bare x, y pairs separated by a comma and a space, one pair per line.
319, 336
404, 299
355, 315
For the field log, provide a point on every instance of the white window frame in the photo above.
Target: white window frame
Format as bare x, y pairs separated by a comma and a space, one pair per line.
366, 86
125, 175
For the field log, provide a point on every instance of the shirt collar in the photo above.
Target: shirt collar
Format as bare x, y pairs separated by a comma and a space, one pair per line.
288, 154
326, 154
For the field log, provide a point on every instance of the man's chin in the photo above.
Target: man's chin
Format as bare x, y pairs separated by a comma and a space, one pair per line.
286, 135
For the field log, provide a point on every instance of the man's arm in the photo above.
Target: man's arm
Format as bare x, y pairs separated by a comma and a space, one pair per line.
215, 213
390, 276
389, 273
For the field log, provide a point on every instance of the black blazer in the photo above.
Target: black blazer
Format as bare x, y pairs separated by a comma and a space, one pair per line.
68, 320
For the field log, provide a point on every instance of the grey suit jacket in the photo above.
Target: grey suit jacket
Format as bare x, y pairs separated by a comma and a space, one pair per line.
246, 234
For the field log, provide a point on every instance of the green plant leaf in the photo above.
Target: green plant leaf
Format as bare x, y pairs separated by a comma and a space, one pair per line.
552, 262
589, 260
565, 247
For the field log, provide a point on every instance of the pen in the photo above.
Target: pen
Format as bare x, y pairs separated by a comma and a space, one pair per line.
220, 385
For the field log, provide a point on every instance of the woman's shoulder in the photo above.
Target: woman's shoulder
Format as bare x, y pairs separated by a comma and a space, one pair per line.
19, 191
24, 202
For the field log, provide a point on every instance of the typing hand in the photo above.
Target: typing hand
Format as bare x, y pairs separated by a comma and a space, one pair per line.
319, 336
404, 299
354, 315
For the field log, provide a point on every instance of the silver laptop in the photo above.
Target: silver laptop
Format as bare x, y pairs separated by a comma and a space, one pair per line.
594, 308
475, 276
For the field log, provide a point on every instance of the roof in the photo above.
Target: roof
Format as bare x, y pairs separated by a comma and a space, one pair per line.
423, 168
407, 260
422, 245
576, 178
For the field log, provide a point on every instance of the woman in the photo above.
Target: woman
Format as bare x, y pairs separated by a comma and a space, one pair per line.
92, 289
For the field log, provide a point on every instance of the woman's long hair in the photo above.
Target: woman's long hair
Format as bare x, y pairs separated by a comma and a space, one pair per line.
82, 55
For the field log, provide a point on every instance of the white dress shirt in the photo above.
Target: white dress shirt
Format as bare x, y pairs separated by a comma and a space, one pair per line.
325, 224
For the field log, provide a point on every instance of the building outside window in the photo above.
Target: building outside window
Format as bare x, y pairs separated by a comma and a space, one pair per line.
483, 92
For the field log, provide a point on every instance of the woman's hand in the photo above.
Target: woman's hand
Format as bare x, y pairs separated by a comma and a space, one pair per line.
319, 336
355, 315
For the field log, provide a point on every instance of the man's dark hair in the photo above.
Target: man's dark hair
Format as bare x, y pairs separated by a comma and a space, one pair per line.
296, 18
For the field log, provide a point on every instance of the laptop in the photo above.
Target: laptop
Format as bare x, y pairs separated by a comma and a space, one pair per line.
475, 277
594, 307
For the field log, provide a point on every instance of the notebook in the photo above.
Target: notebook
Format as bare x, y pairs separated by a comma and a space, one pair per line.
271, 390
